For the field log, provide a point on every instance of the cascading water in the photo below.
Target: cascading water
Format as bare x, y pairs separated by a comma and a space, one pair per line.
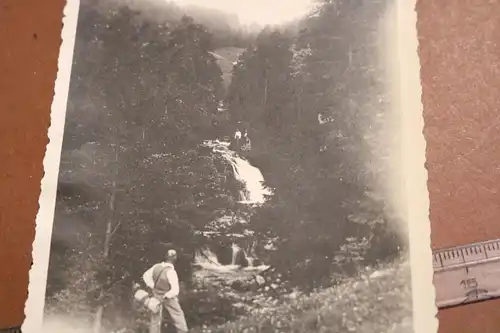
254, 193
235, 250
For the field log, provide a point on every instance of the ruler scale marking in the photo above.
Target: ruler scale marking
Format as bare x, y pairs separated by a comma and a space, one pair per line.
467, 273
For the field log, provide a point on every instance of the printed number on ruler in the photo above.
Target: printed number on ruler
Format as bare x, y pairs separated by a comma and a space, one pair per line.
467, 274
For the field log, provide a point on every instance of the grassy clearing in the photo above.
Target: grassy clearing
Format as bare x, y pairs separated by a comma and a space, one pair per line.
378, 301
226, 56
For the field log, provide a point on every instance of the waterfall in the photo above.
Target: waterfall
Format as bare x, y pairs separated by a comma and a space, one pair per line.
235, 250
237, 253
250, 254
251, 261
208, 261
255, 191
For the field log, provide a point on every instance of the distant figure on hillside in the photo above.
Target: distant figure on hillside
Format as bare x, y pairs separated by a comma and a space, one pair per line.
246, 145
237, 139
237, 135
162, 279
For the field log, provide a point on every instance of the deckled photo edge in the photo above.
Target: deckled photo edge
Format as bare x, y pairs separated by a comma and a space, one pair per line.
45, 217
424, 307
416, 175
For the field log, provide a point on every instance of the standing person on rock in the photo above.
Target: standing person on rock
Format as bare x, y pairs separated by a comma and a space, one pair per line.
162, 279
237, 139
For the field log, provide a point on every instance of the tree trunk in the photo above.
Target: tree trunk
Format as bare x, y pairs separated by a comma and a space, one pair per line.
265, 92
107, 241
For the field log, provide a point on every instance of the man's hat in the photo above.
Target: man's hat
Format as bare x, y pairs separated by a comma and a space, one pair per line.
171, 253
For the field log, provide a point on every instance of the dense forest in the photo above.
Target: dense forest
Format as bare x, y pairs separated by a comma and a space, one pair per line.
149, 86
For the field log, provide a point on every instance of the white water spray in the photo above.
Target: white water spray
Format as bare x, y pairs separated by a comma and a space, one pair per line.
235, 250
255, 191
208, 261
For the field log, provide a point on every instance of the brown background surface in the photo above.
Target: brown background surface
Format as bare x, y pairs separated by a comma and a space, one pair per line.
459, 55
460, 72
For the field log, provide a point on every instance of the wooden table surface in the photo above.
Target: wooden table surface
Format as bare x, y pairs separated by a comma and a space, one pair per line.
459, 54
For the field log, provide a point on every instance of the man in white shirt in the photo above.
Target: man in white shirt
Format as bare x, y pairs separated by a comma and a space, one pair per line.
164, 283
237, 135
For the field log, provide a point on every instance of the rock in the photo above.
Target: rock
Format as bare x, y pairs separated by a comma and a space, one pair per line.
378, 274
260, 280
239, 305
239, 286
274, 286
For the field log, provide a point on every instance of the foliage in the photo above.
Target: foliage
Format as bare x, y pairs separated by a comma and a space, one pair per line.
307, 102
132, 174
148, 89
375, 301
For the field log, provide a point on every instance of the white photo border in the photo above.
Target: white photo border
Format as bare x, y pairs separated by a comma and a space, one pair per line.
424, 309
34, 307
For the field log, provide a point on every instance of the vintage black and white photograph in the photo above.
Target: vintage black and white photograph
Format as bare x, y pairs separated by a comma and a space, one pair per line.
230, 167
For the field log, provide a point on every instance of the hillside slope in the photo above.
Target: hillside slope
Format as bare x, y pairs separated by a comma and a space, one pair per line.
378, 301
226, 57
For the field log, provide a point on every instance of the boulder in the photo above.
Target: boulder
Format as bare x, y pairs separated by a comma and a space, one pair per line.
239, 285
260, 280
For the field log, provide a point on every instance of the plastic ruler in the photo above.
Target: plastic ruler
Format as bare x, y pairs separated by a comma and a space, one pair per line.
467, 274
